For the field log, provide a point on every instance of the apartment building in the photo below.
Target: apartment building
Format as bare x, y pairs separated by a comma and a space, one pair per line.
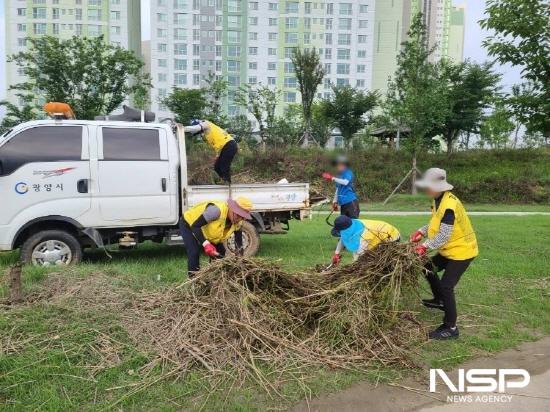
117, 20
251, 42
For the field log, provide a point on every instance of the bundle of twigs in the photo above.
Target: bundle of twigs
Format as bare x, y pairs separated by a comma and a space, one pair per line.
247, 317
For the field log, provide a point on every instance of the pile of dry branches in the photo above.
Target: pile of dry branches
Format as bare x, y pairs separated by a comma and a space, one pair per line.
248, 318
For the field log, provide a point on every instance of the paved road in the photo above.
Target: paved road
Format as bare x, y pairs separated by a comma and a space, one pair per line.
400, 213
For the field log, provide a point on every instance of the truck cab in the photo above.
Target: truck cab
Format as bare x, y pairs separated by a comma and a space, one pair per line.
70, 184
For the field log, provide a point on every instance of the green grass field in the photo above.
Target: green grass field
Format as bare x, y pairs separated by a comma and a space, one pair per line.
49, 353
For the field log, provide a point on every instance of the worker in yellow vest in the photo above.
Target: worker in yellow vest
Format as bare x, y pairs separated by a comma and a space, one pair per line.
452, 235
208, 224
358, 235
223, 144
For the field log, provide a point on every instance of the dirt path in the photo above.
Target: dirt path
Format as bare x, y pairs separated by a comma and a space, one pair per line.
532, 356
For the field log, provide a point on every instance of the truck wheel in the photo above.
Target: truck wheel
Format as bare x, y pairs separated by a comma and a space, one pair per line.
251, 241
50, 248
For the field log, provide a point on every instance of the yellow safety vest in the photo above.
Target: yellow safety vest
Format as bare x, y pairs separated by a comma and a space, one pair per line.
216, 137
216, 231
377, 231
463, 243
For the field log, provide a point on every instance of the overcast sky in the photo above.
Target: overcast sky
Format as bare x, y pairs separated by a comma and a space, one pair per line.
472, 47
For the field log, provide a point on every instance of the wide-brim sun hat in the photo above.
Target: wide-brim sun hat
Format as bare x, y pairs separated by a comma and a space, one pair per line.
241, 206
434, 179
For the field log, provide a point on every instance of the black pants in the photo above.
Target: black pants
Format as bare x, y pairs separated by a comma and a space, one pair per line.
223, 162
444, 289
193, 249
350, 209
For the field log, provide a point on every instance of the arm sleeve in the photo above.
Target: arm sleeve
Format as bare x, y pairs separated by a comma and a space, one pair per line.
340, 181
445, 231
211, 213
335, 200
339, 248
423, 230
193, 129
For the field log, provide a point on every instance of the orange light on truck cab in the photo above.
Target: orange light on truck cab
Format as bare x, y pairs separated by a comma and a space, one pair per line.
58, 109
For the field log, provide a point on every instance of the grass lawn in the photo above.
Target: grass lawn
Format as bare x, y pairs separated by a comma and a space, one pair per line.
49, 353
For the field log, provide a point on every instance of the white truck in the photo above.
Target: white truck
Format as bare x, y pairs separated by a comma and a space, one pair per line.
67, 185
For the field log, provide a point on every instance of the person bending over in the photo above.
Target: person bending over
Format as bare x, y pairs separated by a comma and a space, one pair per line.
223, 144
207, 225
358, 235
451, 234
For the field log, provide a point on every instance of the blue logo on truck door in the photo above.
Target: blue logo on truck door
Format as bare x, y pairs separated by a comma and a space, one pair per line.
21, 188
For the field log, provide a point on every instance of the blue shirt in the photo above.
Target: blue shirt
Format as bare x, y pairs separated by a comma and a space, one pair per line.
345, 193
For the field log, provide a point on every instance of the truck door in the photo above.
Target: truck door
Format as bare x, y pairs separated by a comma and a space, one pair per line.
134, 176
44, 171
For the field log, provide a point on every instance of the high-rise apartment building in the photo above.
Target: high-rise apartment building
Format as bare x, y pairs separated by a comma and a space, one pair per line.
117, 20
455, 50
251, 42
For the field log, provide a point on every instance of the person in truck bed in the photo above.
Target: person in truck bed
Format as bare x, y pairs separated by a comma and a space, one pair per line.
223, 144
208, 225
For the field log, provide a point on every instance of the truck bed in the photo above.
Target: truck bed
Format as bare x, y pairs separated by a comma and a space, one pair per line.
265, 197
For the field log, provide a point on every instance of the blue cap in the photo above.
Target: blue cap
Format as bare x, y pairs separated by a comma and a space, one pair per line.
342, 222
195, 122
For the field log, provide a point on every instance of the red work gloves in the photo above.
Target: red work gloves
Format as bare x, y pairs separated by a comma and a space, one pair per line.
420, 250
336, 259
416, 236
327, 176
210, 249
334, 207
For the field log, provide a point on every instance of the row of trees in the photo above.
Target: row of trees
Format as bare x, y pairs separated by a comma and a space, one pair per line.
425, 99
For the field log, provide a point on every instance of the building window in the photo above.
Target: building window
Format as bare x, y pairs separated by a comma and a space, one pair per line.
361, 68
21, 12
363, 24
328, 68
328, 24
289, 51
342, 82
94, 14
39, 28
162, 33
291, 38
361, 39
180, 49
234, 6
328, 54
233, 36
233, 51
253, 51
272, 22
344, 39
273, 6
38, 12
364, 8
290, 82
345, 9
289, 97
253, 5
342, 68
291, 7
361, 54
162, 77
180, 64
272, 51
253, 21
252, 80
196, 79
289, 68
271, 66
343, 54
196, 64
252, 36
234, 81
291, 22
328, 38
21, 27
330, 8
271, 81
115, 15
272, 36
162, 63
344, 24
161, 47
115, 31
233, 66
180, 79
55, 13
307, 7
253, 65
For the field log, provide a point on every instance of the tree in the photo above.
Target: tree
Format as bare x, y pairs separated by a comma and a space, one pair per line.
321, 126
261, 101
309, 75
187, 104
287, 130
215, 92
15, 114
495, 130
347, 108
93, 76
241, 129
521, 37
417, 98
471, 88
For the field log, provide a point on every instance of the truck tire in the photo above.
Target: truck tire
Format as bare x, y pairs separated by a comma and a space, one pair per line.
51, 248
251, 241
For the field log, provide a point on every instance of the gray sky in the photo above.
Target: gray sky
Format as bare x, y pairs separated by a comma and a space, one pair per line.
472, 47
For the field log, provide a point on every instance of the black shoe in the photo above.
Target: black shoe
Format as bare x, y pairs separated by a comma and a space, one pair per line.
444, 332
433, 304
